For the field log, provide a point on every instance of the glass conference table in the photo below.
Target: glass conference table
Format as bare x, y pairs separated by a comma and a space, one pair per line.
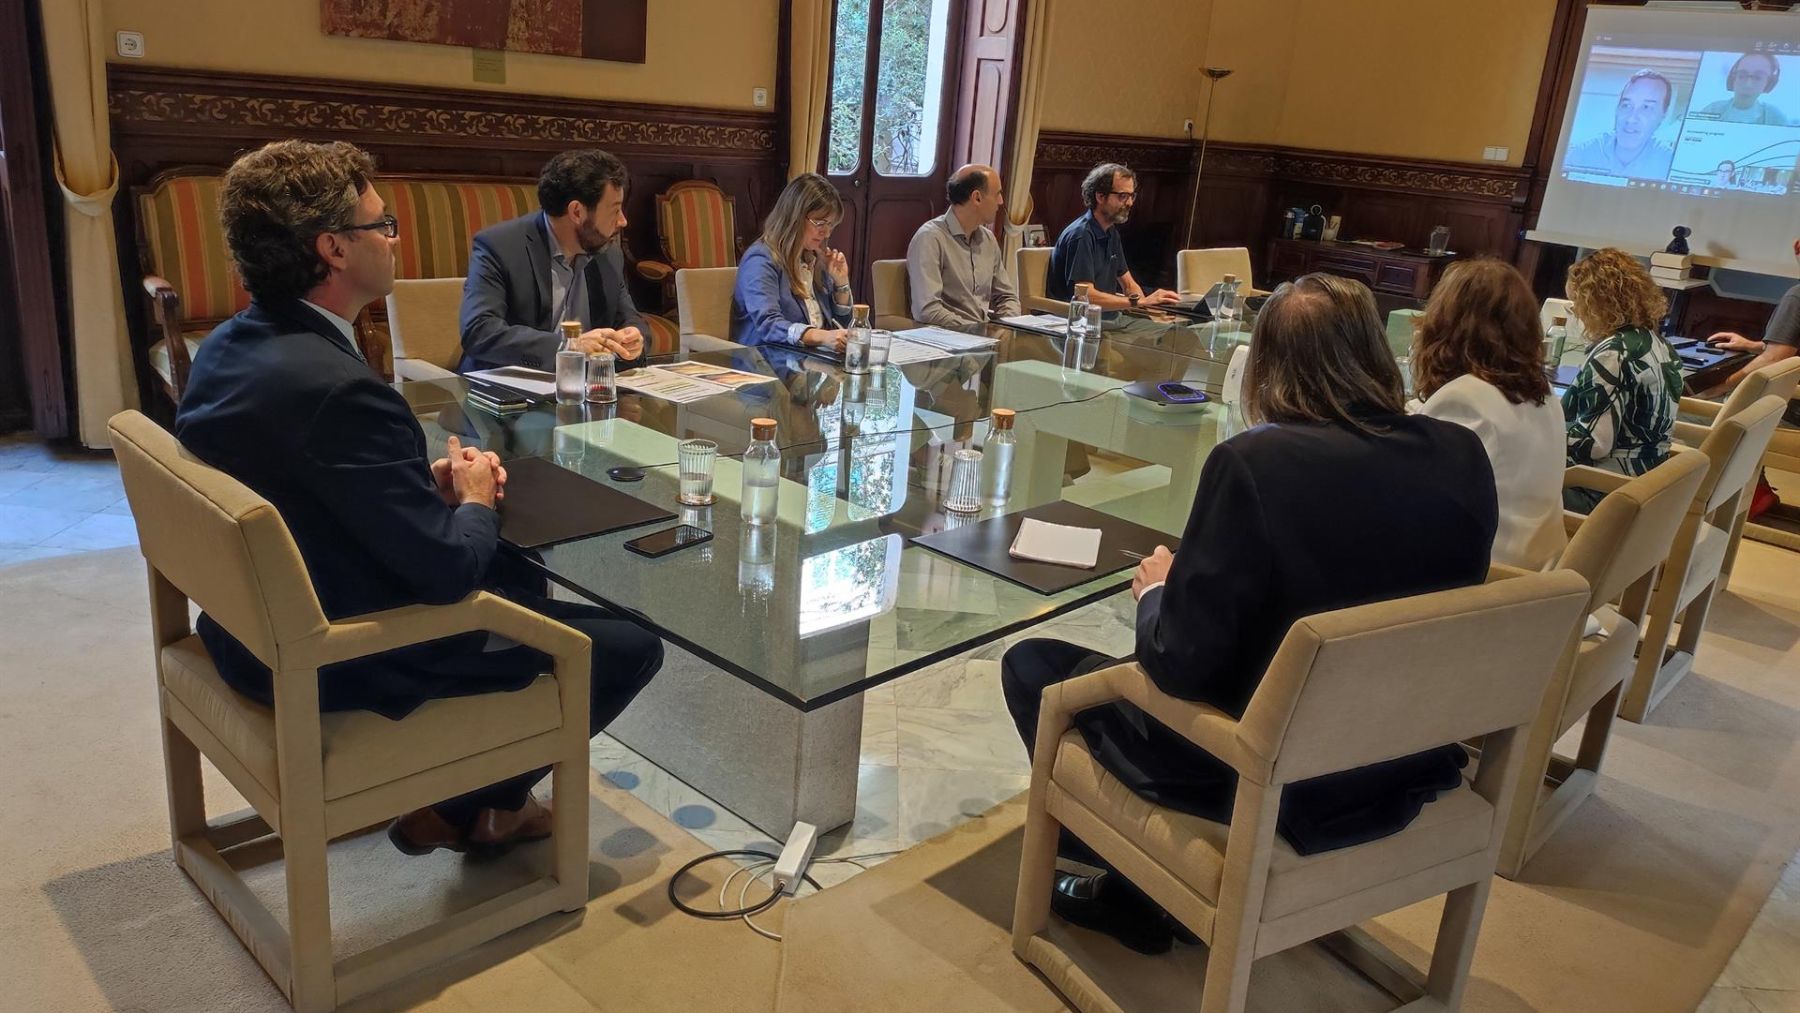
774, 633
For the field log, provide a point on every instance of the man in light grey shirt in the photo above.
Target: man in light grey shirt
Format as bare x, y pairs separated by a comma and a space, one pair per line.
953, 264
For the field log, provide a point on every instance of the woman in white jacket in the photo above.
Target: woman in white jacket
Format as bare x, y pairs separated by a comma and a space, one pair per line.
1478, 361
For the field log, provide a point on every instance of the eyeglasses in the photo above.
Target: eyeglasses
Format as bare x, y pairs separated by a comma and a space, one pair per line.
822, 223
1124, 195
387, 225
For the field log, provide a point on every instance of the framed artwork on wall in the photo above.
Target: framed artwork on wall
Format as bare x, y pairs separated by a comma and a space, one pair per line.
591, 29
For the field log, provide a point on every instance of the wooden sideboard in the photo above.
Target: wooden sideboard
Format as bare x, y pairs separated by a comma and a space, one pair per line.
1396, 276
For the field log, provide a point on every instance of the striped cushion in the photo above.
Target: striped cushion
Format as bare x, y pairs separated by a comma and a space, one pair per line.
180, 222
664, 337
438, 220
698, 225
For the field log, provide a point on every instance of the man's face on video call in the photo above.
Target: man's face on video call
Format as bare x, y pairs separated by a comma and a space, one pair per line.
1640, 112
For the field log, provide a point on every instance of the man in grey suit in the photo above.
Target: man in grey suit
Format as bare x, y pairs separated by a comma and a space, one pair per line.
529, 274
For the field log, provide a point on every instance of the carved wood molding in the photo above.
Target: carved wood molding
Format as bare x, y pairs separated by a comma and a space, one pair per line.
1420, 176
150, 100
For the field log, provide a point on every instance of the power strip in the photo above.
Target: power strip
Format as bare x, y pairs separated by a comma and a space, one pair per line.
791, 866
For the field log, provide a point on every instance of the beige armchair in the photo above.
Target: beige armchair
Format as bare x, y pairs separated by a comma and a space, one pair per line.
1346, 689
893, 296
424, 322
1031, 266
1198, 270
311, 776
703, 306
1685, 589
1617, 549
1779, 379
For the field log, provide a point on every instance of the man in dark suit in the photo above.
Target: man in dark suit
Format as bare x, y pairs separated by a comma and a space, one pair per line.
528, 275
280, 399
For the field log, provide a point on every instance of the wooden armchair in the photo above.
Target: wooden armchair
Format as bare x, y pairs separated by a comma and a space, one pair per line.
697, 225
1346, 689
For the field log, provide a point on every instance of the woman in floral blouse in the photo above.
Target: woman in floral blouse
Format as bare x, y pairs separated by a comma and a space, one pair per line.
1622, 405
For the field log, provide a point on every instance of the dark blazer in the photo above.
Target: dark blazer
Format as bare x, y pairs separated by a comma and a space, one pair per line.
280, 400
763, 305
506, 309
1291, 520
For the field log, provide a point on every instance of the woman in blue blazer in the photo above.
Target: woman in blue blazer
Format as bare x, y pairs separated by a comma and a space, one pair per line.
792, 289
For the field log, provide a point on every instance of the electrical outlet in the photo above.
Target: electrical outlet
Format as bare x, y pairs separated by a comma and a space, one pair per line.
1495, 153
130, 45
1187, 127
759, 97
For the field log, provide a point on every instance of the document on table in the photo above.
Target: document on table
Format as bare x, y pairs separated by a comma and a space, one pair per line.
1043, 322
528, 381
940, 337
721, 375
1062, 544
673, 387
904, 353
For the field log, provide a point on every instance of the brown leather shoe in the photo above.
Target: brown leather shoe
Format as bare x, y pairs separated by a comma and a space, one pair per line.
497, 831
423, 831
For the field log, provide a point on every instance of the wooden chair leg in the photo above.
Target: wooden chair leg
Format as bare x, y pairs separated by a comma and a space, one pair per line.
1455, 949
1037, 872
1658, 619
187, 791
314, 985
569, 832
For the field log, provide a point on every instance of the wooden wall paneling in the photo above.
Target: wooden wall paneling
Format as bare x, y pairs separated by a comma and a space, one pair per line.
33, 224
1165, 176
164, 118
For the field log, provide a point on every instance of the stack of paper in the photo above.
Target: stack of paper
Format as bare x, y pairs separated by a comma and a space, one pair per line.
1037, 322
1056, 543
535, 382
952, 341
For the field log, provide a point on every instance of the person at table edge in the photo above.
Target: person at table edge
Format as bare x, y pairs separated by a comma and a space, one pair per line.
281, 400
791, 288
956, 274
1090, 252
563, 262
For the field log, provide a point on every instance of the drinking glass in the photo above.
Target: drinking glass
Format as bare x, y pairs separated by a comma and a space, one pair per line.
1440, 241
964, 496
602, 378
695, 460
880, 342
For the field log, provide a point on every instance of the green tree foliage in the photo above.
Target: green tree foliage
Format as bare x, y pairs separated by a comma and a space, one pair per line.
899, 87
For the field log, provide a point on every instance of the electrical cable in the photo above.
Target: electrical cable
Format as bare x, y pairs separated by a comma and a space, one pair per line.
764, 905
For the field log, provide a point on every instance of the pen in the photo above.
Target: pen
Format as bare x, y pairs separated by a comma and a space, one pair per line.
1133, 555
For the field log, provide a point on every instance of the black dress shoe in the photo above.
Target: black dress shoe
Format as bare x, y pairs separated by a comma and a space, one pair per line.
1114, 909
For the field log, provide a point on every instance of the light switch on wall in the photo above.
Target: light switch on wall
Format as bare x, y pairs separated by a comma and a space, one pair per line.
1495, 153
759, 97
130, 45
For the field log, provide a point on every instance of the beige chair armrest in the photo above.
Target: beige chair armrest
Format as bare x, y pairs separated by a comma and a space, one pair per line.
420, 369
1583, 476
361, 636
1572, 521
1502, 571
1701, 407
1690, 433
1205, 726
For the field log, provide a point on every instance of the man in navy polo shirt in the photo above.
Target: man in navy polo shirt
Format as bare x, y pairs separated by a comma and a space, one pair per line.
1089, 250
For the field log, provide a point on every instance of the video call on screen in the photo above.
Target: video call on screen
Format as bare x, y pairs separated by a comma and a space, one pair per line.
1672, 116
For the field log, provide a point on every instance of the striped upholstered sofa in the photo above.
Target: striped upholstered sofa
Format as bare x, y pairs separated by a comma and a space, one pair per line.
191, 287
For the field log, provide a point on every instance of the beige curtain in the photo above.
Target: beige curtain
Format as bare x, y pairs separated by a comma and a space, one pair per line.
104, 383
809, 77
1033, 58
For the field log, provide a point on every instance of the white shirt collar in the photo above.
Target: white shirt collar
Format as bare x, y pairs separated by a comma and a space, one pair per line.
345, 327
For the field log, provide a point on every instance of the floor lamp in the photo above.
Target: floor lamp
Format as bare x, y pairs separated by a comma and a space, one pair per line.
1216, 74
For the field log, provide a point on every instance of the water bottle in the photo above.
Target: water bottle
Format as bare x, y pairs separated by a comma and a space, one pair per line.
856, 344
571, 366
1556, 341
762, 472
1228, 296
997, 457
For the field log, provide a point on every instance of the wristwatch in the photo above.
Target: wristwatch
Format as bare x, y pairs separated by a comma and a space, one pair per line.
1134, 301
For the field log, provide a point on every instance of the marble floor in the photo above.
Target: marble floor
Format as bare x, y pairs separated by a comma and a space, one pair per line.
938, 747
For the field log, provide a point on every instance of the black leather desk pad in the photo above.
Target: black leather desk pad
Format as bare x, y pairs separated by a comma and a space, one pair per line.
984, 546
546, 504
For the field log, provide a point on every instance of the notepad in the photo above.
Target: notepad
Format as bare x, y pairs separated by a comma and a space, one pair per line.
1061, 544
